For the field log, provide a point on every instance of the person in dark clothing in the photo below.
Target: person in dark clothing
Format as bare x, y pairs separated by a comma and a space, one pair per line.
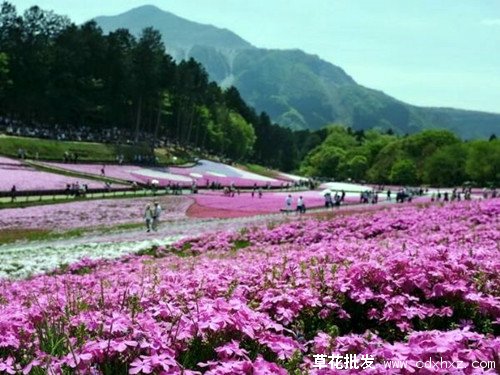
13, 193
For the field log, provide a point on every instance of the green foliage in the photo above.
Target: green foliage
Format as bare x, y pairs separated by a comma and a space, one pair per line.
357, 167
483, 162
404, 172
240, 136
4, 73
446, 166
325, 161
435, 157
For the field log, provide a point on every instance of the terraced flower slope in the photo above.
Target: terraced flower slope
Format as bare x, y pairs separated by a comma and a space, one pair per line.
408, 284
12, 172
90, 214
203, 171
211, 171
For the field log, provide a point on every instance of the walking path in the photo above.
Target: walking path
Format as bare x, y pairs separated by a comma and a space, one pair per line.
23, 259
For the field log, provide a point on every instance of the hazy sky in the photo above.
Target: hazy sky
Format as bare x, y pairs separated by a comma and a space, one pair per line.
425, 52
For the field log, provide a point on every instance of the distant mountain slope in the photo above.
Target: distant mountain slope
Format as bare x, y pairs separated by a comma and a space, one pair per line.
180, 35
297, 89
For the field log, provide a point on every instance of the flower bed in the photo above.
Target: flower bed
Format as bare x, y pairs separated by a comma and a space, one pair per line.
26, 178
92, 213
127, 173
404, 284
224, 174
205, 170
216, 204
122, 172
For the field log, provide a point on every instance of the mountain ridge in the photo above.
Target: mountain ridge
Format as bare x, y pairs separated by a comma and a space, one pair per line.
297, 89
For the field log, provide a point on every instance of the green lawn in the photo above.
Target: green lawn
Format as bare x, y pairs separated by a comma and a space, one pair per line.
87, 151
258, 169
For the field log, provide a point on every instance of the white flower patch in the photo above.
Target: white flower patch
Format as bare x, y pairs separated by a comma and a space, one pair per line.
216, 174
161, 175
21, 261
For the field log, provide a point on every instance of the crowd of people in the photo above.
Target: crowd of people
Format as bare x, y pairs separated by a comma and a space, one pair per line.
67, 132
335, 200
75, 189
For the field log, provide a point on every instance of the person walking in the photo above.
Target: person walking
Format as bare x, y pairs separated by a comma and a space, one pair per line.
301, 207
288, 203
148, 217
156, 216
13, 193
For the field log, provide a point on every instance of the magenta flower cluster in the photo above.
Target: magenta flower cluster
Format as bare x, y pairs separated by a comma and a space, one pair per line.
270, 202
122, 172
91, 213
407, 283
27, 178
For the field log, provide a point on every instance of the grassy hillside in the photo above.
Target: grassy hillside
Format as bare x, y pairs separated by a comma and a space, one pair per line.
54, 150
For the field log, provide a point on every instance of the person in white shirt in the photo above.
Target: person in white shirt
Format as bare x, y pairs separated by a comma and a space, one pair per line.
301, 208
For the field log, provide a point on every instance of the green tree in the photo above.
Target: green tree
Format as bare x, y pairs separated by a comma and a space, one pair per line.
118, 71
341, 137
446, 167
147, 63
404, 172
4, 74
381, 167
240, 137
357, 167
325, 161
483, 162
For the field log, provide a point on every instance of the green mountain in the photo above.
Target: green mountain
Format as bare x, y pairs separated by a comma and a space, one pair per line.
296, 89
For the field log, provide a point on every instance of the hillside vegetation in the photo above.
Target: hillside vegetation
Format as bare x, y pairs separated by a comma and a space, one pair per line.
435, 157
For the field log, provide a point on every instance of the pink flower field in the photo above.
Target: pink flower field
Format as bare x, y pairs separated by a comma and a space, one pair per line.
216, 204
13, 172
122, 172
409, 284
90, 214
126, 173
203, 171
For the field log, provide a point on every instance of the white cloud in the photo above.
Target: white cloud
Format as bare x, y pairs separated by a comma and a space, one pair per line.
491, 22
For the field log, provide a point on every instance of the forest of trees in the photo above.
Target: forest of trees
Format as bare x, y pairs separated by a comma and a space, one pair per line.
55, 72
431, 157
